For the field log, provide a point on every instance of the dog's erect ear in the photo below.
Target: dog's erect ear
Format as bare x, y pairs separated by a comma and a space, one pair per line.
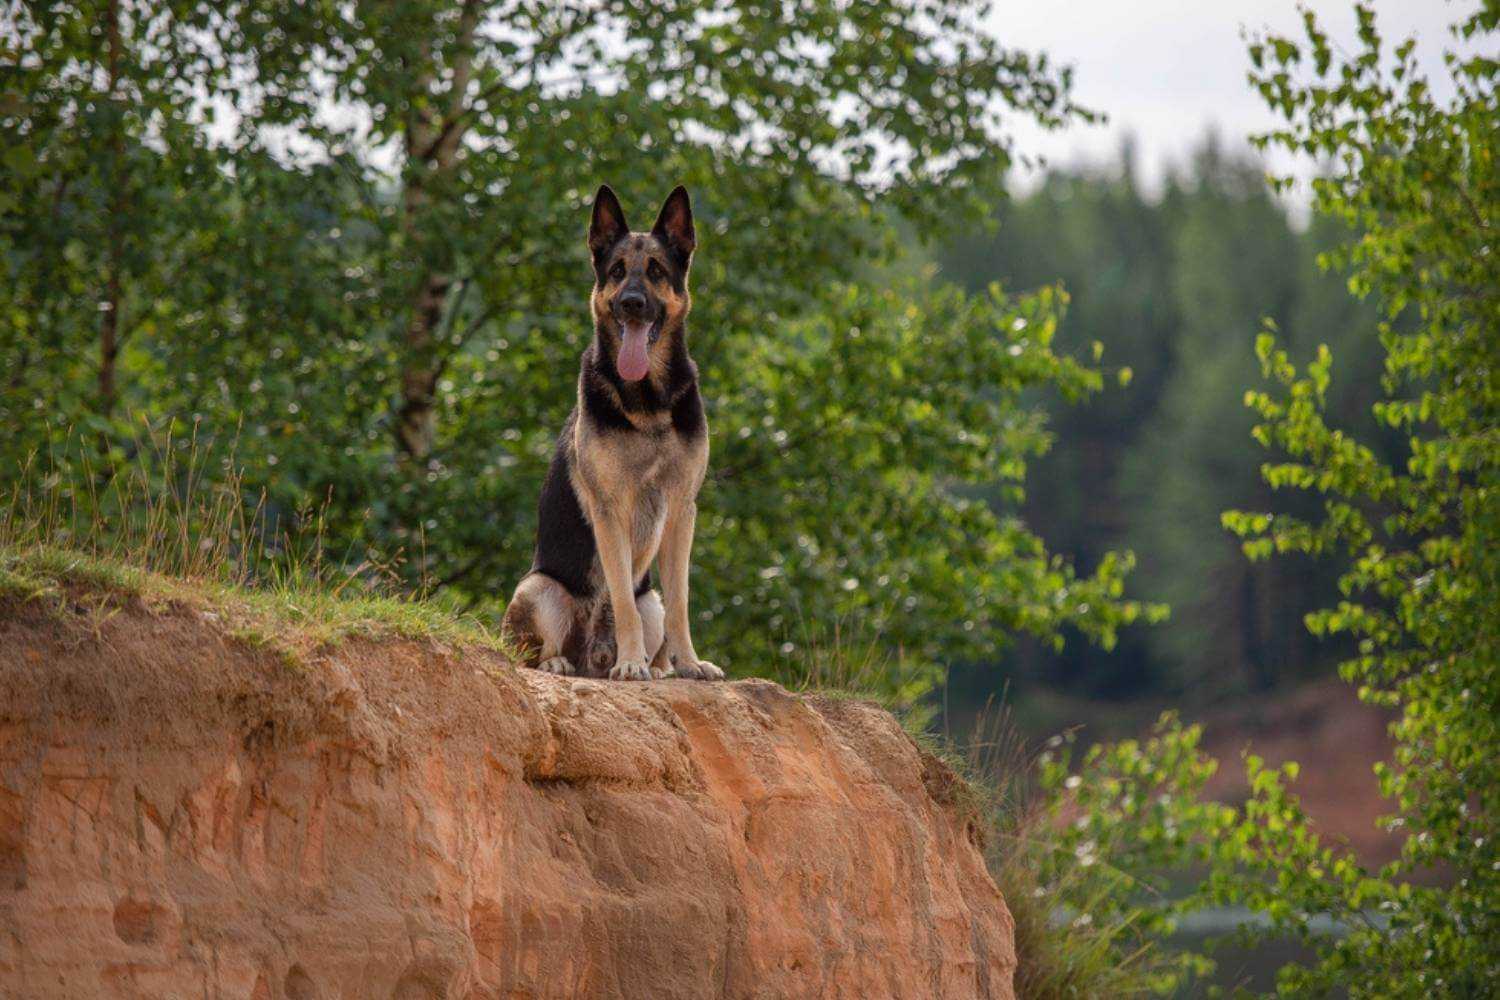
674, 226
608, 226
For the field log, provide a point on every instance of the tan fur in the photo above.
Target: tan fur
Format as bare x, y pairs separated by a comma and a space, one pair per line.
635, 490
540, 620
555, 632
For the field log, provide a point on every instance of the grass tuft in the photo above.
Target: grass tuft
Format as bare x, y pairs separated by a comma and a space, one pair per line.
160, 529
832, 664
1073, 939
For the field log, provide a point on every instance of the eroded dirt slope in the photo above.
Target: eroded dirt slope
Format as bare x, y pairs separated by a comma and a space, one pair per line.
186, 815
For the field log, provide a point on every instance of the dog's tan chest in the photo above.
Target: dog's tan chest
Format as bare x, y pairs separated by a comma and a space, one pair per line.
638, 476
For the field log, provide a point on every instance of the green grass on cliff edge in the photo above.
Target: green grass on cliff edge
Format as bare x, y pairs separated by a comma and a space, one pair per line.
80, 530
282, 612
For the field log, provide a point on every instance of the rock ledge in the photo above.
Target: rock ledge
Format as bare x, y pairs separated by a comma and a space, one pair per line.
183, 814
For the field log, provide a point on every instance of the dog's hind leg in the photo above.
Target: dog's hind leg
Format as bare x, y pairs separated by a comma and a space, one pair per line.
601, 655
538, 623
654, 628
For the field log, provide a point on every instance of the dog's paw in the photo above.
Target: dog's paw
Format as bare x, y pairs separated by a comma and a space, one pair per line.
557, 665
698, 670
630, 670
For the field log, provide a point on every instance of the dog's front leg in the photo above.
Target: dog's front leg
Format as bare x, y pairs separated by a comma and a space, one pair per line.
674, 557
613, 540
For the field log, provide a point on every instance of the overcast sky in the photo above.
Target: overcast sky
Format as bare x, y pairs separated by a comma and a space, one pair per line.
1165, 70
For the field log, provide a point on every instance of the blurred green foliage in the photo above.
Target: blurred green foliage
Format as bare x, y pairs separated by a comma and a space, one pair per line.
343, 243
1416, 182
1169, 285
1086, 853
1419, 178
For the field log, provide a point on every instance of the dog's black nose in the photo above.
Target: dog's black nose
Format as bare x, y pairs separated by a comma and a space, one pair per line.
632, 302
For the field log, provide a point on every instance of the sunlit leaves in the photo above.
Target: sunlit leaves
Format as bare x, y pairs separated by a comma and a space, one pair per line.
862, 433
1422, 538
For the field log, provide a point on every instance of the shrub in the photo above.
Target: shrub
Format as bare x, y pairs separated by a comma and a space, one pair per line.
1420, 181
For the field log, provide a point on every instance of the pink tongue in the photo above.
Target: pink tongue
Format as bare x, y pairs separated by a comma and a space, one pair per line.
632, 363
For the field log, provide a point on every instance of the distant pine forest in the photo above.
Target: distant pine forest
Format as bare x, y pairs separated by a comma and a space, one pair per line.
1173, 285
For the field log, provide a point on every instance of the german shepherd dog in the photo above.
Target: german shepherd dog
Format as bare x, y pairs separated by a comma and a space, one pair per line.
623, 485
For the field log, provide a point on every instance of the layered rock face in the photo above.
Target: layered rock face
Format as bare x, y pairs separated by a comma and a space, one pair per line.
185, 815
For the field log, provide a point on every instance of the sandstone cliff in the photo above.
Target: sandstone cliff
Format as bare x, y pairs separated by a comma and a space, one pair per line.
186, 814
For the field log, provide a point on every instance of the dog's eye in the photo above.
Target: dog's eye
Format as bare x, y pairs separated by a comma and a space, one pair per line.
618, 271
654, 271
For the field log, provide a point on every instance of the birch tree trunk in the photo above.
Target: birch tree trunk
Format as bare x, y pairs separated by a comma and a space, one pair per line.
432, 143
109, 313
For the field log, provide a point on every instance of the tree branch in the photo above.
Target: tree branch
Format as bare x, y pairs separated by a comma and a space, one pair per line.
455, 123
